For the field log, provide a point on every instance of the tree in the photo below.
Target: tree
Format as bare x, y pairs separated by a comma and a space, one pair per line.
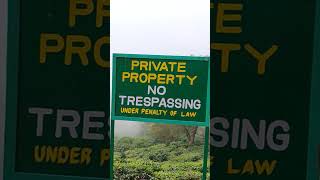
169, 133
164, 133
191, 133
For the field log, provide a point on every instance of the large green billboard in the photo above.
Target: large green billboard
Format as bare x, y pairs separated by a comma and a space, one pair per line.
262, 56
58, 89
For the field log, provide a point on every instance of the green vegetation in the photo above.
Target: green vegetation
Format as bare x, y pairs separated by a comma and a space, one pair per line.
153, 156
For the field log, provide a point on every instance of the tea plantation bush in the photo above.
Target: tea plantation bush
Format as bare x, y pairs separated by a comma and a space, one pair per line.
141, 158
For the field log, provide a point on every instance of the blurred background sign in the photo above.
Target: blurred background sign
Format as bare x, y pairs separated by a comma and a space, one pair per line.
262, 54
58, 89
3, 48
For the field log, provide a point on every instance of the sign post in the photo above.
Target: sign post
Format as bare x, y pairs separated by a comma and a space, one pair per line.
57, 90
318, 161
161, 89
265, 62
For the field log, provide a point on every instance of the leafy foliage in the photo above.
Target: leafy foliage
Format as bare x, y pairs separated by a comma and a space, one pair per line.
140, 158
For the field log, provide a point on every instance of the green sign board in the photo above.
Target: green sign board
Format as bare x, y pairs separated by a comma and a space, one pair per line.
161, 89
166, 89
262, 54
58, 90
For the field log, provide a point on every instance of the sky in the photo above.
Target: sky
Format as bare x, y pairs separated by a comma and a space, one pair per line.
159, 27
163, 27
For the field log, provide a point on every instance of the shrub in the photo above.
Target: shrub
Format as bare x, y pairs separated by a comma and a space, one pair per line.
158, 156
181, 175
142, 158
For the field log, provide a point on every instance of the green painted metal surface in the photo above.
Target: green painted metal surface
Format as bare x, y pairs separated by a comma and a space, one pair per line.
161, 88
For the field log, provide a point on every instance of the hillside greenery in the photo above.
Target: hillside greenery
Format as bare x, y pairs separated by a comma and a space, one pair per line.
154, 157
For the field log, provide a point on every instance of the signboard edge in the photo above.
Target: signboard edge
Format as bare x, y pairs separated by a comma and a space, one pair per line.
314, 114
